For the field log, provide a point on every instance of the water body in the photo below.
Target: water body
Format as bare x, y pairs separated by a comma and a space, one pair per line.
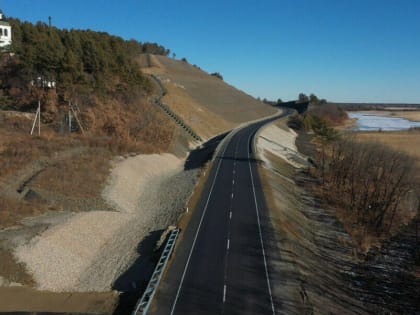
371, 122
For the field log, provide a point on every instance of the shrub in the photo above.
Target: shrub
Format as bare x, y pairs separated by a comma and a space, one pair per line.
368, 180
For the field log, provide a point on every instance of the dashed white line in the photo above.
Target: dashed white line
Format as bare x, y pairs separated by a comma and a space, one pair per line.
259, 229
231, 196
228, 244
233, 181
196, 234
230, 215
224, 293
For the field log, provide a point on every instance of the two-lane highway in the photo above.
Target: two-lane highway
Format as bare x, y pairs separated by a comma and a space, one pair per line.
221, 265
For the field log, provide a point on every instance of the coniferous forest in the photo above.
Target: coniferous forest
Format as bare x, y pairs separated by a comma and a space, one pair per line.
77, 61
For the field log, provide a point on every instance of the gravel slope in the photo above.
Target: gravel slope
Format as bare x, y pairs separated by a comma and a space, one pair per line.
279, 141
90, 250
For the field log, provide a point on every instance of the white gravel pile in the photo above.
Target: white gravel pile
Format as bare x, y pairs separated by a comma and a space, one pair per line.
90, 250
280, 142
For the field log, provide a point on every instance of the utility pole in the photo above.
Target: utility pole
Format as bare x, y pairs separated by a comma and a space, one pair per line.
69, 117
73, 113
417, 232
37, 119
49, 25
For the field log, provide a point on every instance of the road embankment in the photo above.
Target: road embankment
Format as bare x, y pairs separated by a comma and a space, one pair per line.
90, 251
310, 251
313, 259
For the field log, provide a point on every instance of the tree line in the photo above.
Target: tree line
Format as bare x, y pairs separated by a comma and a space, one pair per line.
102, 62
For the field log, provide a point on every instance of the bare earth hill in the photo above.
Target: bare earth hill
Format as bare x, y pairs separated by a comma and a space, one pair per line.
206, 103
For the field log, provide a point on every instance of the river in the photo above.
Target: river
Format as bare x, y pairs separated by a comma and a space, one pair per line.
372, 122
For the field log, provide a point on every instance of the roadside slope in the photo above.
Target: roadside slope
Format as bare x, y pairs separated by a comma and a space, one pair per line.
206, 103
310, 252
61, 252
315, 263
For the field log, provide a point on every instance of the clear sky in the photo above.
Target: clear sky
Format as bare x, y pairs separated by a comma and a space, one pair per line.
341, 50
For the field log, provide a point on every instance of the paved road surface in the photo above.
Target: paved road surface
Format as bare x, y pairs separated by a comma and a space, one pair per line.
221, 265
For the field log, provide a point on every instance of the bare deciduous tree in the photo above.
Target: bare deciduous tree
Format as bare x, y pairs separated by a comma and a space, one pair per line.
369, 180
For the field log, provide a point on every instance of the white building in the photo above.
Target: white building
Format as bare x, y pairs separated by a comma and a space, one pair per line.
5, 32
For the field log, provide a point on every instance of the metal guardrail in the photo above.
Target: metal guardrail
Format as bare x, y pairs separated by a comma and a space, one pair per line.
171, 113
143, 305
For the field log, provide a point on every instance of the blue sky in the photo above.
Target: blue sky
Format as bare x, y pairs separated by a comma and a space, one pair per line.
341, 50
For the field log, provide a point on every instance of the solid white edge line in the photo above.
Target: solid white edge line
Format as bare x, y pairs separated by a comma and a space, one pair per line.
259, 229
196, 234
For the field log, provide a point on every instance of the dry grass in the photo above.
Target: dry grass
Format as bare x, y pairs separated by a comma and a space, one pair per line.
31, 301
207, 104
203, 121
407, 142
14, 272
81, 177
73, 165
404, 141
412, 115
12, 211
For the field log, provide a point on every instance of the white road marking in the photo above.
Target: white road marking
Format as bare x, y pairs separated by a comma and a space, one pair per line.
198, 230
231, 196
196, 234
259, 229
230, 215
233, 181
228, 244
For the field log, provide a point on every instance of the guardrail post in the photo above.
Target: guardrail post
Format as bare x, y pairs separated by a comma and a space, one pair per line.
144, 303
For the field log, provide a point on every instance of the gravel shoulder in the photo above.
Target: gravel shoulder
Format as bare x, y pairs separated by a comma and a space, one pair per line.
88, 251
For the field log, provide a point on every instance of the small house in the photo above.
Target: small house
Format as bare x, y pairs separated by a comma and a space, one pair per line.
5, 32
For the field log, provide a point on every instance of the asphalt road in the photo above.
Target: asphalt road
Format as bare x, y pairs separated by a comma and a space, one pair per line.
222, 264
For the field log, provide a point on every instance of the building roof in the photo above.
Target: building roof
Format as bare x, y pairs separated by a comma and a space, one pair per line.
3, 23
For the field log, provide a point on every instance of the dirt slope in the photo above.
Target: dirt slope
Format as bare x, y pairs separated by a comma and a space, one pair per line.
208, 104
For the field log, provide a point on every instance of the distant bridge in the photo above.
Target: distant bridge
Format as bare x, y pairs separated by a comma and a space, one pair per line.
300, 107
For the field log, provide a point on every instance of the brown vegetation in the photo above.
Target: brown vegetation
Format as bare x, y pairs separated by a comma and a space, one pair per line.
13, 211
207, 104
369, 180
403, 141
372, 186
14, 272
114, 128
331, 114
319, 118
31, 301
